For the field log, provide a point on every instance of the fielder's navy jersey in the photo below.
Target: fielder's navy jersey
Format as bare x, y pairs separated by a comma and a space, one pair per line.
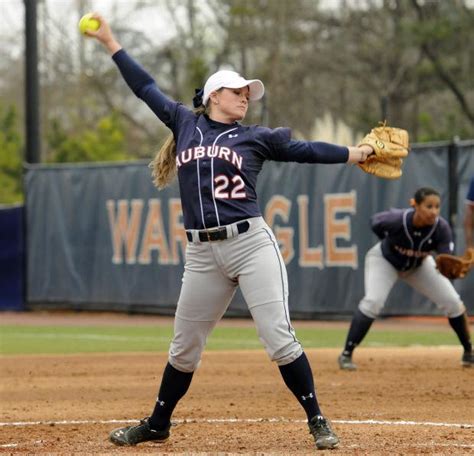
218, 163
406, 246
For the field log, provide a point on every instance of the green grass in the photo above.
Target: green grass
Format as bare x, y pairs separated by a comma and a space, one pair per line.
76, 339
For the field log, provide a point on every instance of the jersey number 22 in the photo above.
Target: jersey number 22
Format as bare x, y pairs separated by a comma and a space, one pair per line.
226, 188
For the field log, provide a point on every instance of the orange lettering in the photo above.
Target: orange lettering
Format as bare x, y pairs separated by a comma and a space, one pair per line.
339, 228
177, 232
309, 256
124, 231
154, 235
281, 206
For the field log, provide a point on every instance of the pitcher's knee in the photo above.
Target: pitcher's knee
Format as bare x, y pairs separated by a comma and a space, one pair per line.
184, 363
454, 309
185, 358
370, 308
286, 354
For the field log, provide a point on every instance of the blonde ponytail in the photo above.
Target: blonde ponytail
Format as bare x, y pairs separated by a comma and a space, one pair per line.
164, 164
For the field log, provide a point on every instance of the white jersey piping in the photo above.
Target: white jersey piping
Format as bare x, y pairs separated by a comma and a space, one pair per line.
199, 180
212, 173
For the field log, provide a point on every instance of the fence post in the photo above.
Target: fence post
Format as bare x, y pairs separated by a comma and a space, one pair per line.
453, 184
32, 93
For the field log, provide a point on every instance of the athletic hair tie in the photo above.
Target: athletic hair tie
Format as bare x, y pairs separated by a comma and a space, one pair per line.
197, 100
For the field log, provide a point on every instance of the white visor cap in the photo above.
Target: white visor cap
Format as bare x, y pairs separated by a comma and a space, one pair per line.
232, 80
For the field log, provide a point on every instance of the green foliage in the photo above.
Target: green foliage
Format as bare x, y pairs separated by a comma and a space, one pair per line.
439, 129
414, 55
10, 157
198, 71
106, 142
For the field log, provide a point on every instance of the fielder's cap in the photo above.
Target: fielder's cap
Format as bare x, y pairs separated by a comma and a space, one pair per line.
232, 80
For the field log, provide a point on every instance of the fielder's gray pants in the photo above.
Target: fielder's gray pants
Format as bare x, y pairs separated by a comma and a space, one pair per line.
380, 276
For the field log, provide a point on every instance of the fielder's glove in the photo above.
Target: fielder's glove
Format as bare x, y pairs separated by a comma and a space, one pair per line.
455, 267
390, 146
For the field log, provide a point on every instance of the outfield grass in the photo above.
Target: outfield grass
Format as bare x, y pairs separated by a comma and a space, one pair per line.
78, 339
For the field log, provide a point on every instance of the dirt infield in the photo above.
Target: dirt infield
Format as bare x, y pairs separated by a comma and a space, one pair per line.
417, 398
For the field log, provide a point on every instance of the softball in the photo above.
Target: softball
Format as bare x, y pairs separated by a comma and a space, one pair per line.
87, 22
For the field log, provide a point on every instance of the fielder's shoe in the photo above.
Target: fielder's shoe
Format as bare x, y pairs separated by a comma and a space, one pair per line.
345, 363
131, 435
467, 359
321, 430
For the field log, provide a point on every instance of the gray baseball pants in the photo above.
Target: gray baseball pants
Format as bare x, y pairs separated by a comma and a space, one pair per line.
212, 272
380, 277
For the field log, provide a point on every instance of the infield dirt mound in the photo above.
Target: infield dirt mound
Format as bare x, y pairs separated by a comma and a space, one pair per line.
408, 384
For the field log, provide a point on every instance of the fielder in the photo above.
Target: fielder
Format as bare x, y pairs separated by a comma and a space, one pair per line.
407, 239
217, 161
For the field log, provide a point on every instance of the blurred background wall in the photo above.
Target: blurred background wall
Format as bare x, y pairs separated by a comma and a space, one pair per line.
101, 237
332, 70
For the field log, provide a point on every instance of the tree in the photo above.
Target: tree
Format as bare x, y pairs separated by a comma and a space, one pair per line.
441, 30
11, 149
359, 60
106, 142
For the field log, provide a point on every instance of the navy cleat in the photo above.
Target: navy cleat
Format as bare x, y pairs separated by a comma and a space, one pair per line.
345, 362
324, 436
467, 359
131, 435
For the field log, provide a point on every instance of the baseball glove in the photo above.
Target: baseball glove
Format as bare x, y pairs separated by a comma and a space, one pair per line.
390, 146
455, 267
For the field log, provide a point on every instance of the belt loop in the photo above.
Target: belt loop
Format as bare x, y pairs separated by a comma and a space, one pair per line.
250, 224
194, 236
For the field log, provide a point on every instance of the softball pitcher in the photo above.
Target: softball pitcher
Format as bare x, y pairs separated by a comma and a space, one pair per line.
217, 161
407, 239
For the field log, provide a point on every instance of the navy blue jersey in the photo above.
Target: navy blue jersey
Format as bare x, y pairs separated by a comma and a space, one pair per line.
218, 163
405, 246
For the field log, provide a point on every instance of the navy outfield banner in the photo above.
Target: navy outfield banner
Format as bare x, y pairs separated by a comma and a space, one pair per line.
102, 237
12, 257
